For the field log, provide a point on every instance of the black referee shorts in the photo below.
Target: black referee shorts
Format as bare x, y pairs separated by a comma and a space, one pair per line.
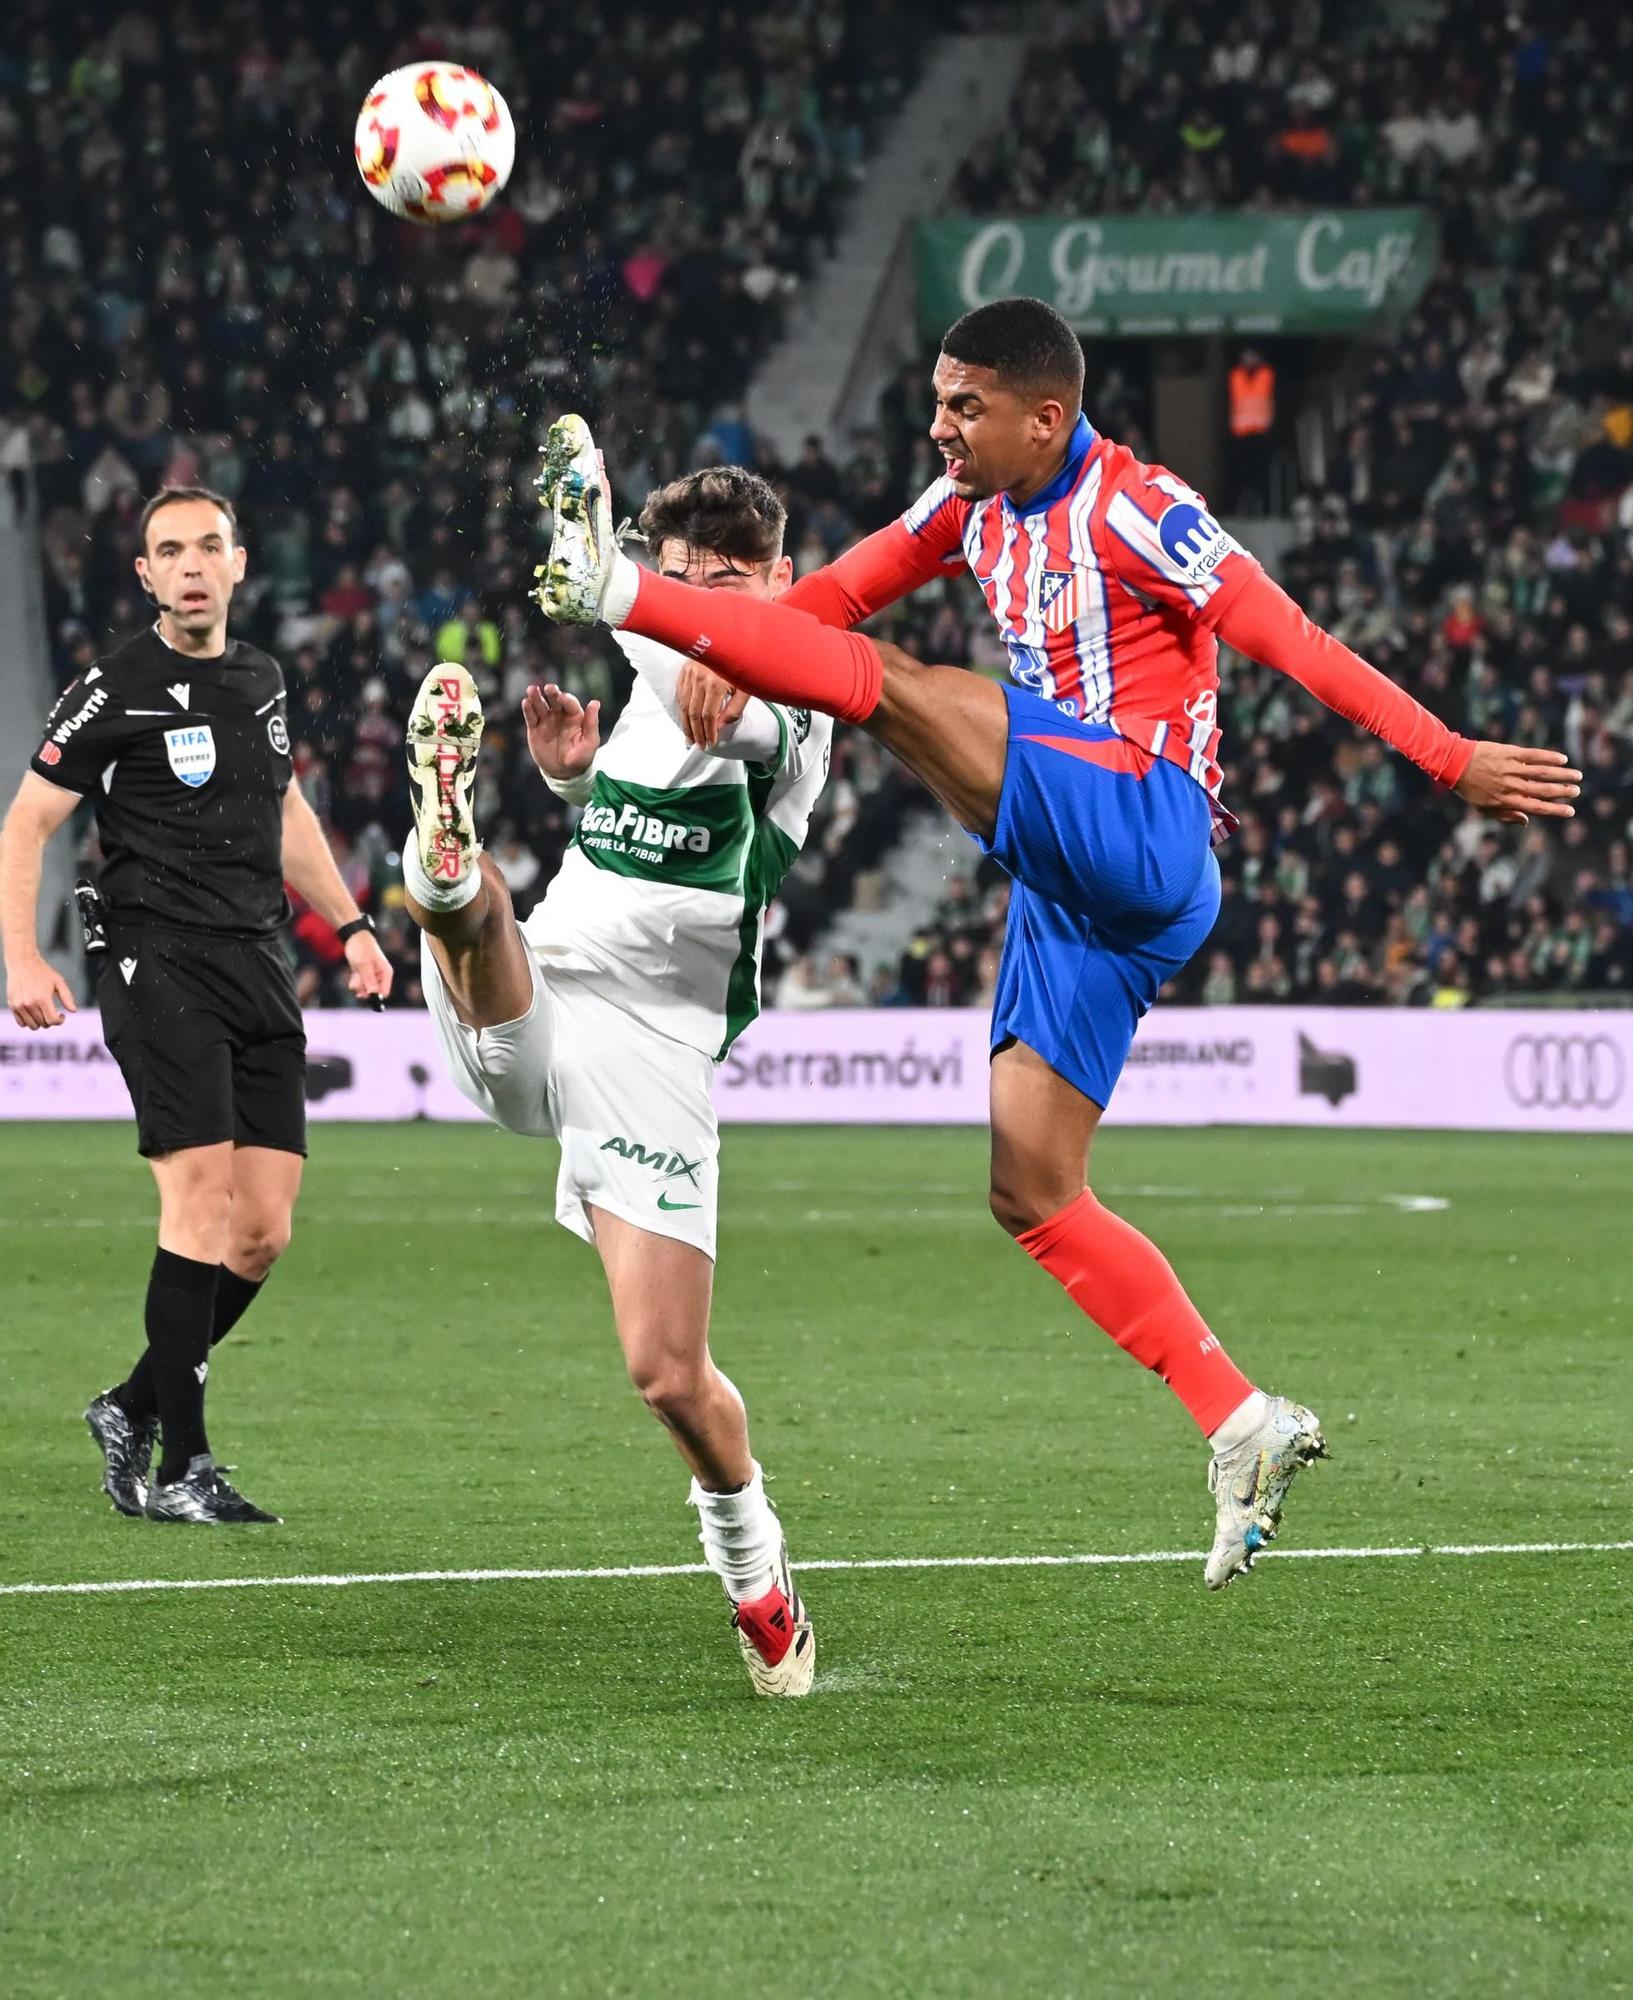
207, 1033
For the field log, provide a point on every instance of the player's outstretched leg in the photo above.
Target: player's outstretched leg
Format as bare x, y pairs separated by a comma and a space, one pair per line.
951, 728
768, 649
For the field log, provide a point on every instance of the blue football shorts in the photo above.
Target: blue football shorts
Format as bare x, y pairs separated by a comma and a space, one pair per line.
1115, 888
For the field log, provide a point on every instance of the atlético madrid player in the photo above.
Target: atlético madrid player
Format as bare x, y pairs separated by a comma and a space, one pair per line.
1093, 780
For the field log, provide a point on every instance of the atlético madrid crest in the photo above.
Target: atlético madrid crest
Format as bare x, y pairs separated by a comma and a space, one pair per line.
1060, 598
191, 752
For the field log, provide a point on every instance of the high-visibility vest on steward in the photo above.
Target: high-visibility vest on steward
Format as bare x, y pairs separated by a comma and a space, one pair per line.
1252, 400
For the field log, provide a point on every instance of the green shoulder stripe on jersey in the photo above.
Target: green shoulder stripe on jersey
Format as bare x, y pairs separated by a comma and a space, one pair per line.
696, 837
769, 860
771, 855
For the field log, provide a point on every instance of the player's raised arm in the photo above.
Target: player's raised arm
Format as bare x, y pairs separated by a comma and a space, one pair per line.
1166, 548
562, 739
1510, 782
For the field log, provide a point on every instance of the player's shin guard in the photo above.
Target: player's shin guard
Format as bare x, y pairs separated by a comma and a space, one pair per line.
1128, 1288
768, 649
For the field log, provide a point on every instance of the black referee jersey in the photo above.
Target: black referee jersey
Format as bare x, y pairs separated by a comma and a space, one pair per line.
186, 762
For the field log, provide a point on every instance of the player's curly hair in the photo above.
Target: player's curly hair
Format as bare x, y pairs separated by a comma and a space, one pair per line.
1026, 343
725, 509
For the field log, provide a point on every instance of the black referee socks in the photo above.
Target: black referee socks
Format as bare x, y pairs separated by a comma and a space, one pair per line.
233, 1298
181, 1295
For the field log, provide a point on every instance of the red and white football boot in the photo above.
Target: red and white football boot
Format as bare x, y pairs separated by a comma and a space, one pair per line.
775, 1633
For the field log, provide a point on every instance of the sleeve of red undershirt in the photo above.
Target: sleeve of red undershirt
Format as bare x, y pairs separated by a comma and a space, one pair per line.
926, 542
1263, 622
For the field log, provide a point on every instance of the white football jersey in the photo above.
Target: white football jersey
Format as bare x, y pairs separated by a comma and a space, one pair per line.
662, 895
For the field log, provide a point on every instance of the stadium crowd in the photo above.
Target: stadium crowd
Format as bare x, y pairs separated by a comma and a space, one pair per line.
1473, 536
199, 290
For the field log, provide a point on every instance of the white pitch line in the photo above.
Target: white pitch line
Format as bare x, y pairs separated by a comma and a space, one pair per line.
126, 1585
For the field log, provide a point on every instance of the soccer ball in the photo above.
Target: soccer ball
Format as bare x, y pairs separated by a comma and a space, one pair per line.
435, 142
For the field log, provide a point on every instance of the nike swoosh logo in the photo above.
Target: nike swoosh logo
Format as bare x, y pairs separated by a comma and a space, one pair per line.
669, 1206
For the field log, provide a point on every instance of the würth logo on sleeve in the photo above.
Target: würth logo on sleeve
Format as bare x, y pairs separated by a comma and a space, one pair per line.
78, 719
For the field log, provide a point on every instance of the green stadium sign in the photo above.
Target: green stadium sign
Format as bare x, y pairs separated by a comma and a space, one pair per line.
1321, 271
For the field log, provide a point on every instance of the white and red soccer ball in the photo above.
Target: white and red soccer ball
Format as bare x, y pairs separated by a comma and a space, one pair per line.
435, 142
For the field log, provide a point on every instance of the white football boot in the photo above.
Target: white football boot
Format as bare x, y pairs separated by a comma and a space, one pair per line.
573, 485
1249, 1485
775, 1634
444, 736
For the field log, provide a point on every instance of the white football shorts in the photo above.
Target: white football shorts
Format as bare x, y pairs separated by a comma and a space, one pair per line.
634, 1110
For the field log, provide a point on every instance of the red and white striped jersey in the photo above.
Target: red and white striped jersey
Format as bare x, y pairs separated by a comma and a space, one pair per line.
1106, 587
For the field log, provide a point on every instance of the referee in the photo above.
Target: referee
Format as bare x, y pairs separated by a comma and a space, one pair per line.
181, 740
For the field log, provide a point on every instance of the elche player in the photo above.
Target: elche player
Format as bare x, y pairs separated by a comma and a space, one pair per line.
1092, 779
601, 1020
180, 740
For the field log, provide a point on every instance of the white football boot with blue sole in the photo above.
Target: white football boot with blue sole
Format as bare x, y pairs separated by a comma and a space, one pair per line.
1249, 1485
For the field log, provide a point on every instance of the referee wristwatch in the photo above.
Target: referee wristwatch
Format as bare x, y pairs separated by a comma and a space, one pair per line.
362, 923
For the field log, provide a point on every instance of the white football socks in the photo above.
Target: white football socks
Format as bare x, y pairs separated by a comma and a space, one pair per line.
438, 895
740, 1535
618, 599
1242, 1422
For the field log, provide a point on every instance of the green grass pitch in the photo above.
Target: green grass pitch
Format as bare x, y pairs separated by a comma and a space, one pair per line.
1378, 1777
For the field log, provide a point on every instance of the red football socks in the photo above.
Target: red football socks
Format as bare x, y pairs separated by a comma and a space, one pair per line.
769, 649
1128, 1288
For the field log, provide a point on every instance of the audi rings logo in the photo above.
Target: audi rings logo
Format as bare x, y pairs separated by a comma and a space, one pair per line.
1564, 1072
